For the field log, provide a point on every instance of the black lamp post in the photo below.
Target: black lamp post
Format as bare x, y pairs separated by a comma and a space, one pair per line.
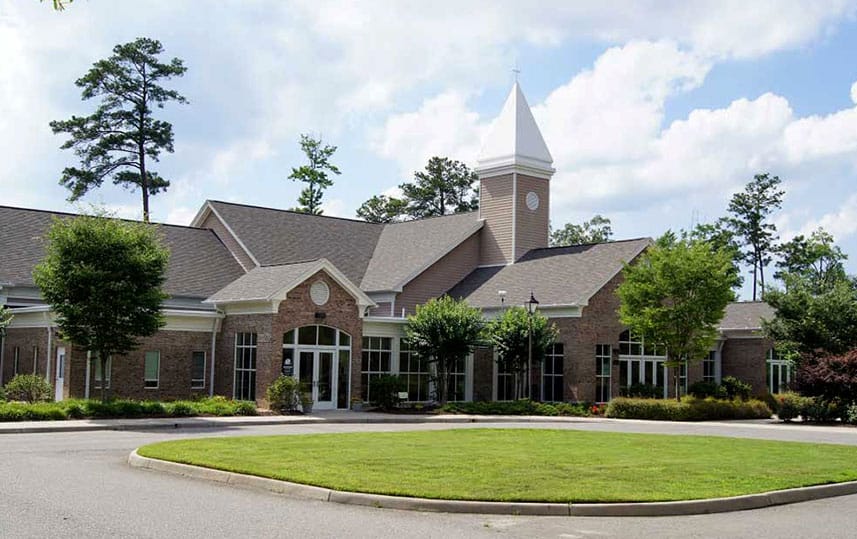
532, 304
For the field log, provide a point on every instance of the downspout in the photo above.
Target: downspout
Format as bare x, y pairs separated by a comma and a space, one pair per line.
213, 354
50, 351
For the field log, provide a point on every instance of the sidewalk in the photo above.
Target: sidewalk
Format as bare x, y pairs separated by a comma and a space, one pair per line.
331, 416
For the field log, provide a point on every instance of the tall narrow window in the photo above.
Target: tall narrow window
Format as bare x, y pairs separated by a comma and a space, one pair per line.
197, 376
552, 374
414, 370
245, 367
505, 382
779, 372
377, 356
152, 370
457, 385
102, 379
709, 373
16, 361
603, 362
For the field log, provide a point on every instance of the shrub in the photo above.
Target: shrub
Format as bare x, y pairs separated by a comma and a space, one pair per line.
829, 377
180, 409
2, 394
284, 394
19, 411
736, 389
820, 410
385, 391
690, 409
851, 414
518, 407
791, 405
643, 391
244, 408
28, 388
703, 390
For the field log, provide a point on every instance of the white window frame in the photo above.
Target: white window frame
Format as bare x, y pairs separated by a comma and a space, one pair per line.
417, 378
198, 383
603, 356
630, 357
782, 366
373, 345
341, 349
152, 383
709, 362
251, 348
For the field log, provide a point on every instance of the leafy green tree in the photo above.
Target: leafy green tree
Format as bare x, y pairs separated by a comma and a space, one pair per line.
719, 236
102, 278
444, 187
60, 5
817, 259
315, 174
810, 320
382, 209
122, 135
675, 295
749, 220
510, 335
444, 331
596, 230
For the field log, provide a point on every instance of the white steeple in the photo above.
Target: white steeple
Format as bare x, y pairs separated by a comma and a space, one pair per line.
514, 142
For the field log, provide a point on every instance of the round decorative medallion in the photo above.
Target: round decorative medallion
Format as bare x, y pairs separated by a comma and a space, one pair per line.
319, 292
532, 201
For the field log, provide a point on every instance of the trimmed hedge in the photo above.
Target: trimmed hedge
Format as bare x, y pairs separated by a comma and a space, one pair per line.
689, 409
518, 407
122, 408
28, 388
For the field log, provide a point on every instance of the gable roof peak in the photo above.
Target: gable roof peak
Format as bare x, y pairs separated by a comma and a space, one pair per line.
514, 139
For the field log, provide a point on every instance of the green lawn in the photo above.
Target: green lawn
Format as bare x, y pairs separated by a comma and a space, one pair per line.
524, 464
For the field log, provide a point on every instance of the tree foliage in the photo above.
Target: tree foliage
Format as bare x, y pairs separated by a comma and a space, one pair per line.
315, 174
675, 295
5, 319
750, 211
510, 335
719, 236
102, 278
596, 230
382, 209
809, 320
815, 259
444, 330
831, 377
444, 187
119, 138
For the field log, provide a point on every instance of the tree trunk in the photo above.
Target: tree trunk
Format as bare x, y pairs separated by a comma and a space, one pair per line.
144, 179
677, 382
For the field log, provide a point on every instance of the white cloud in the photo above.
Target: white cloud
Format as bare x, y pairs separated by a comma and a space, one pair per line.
854, 92
841, 223
335, 207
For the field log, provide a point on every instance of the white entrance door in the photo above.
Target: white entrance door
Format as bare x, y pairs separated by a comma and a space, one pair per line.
60, 379
317, 369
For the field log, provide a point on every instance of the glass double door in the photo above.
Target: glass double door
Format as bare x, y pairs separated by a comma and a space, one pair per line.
317, 369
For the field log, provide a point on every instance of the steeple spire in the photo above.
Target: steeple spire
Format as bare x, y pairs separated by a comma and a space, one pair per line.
514, 141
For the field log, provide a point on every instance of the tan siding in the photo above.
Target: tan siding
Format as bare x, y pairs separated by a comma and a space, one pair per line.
441, 276
496, 210
213, 223
532, 226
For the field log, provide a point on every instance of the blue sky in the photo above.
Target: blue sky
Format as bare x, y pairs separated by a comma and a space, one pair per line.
655, 112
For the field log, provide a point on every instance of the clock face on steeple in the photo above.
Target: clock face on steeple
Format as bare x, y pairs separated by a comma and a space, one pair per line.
532, 201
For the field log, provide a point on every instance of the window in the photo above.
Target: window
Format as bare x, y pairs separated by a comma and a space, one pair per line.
457, 385
197, 377
152, 370
709, 373
779, 372
16, 361
245, 367
603, 368
414, 370
99, 379
377, 356
505, 382
682, 378
552, 386
335, 361
640, 362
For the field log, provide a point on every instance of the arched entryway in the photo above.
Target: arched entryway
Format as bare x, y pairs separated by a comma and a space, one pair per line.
320, 357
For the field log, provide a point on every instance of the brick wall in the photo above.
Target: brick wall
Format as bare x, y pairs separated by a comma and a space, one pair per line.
744, 358
483, 374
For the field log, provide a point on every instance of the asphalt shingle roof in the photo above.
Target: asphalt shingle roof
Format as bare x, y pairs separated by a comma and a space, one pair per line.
404, 249
376, 257
556, 275
746, 315
261, 283
199, 263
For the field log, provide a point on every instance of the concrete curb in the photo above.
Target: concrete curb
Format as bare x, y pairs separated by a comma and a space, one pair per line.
689, 507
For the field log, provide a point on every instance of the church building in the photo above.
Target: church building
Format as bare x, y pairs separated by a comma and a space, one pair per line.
256, 292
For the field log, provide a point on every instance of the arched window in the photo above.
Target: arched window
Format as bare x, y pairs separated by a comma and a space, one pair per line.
641, 365
320, 357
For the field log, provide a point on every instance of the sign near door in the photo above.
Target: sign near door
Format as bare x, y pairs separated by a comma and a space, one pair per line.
288, 367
